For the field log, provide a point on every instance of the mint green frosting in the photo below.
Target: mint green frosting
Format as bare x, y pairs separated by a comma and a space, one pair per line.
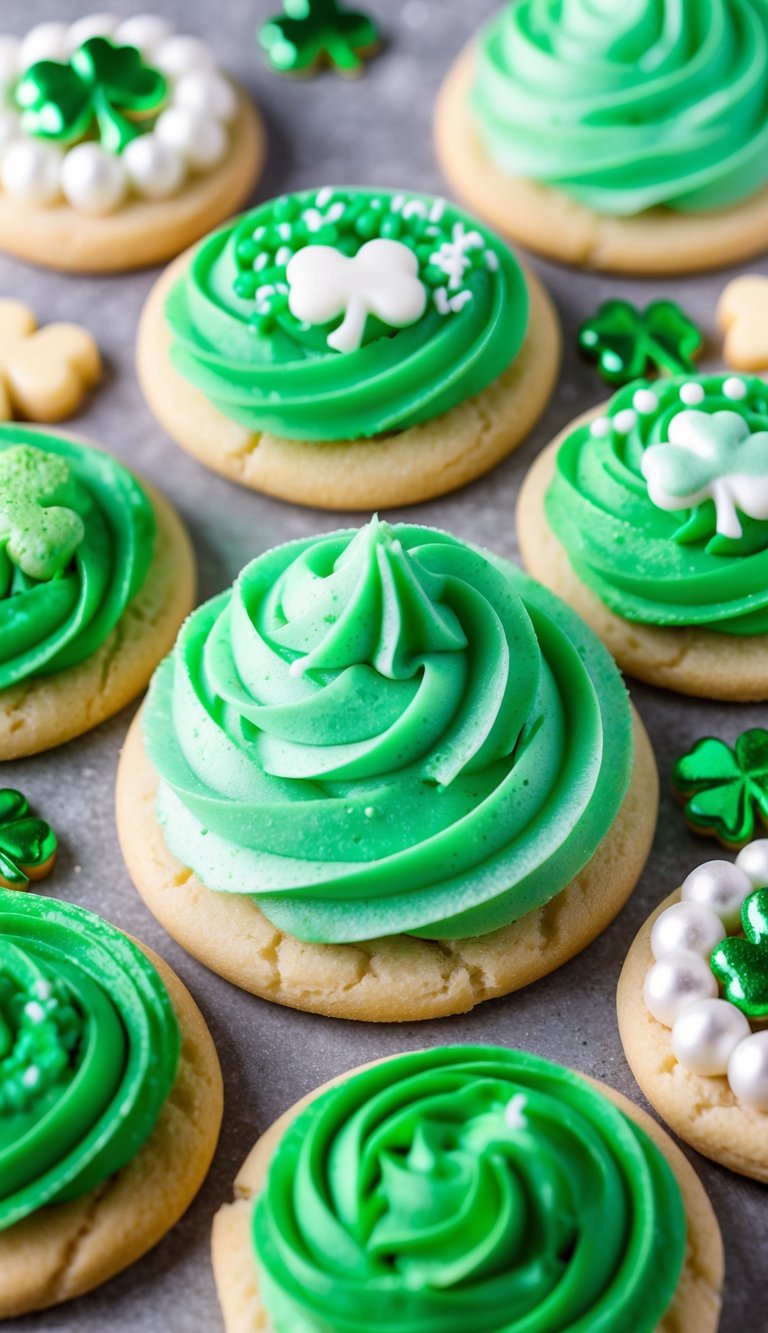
234, 336
76, 540
468, 1189
627, 104
89, 1047
683, 564
386, 730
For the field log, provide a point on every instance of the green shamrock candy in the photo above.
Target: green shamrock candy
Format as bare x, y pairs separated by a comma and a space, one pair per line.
710, 457
103, 86
317, 32
725, 789
27, 845
37, 535
741, 965
627, 343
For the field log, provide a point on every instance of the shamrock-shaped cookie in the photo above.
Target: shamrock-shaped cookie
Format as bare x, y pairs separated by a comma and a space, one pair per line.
27, 845
105, 88
311, 33
741, 965
710, 456
742, 314
44, 373
37, 535
725, 790
628, 343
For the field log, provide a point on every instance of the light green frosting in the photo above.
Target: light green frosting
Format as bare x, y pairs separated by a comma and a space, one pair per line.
234, 337
467, 1188
385, 730
671, 566
89, 1045
629, 103
76, 539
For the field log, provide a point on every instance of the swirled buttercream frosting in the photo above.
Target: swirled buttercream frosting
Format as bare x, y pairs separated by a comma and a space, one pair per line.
89, 1045
628, 103
468, 1187
386, 730
340, 313
76, 538
662, 503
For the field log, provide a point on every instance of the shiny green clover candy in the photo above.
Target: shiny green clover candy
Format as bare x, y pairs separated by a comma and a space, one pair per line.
38, 533
628, 343
310, 33
102, 87
725, 790
27, 845
741, 965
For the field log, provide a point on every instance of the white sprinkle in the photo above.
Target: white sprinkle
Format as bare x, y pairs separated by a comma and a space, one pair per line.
442, 304
735, 388
369, 812
268, 289
691, 394
625, 421
437, 210
324, 196
600, 427
261, 262
514, 1113
313, 219
34, 1011
284, 230
491, 260
397, 203
336, 211
283, 255
259, 233
415, 208
43, 989
458, 301
645, 401
31, 1077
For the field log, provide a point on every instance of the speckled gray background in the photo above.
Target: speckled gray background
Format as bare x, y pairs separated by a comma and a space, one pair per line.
374, 131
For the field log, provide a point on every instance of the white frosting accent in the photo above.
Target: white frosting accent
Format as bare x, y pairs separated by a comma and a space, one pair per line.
600, 427
189, 135
735, 388
381, 280
515, 1111
692, 394
645, 401
625, 421
730, 490
452, 256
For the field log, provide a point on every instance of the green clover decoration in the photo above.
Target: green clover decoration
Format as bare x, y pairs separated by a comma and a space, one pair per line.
103, 88
310, 33
725, 790
627, 343
741, 965
38, 533
27, 845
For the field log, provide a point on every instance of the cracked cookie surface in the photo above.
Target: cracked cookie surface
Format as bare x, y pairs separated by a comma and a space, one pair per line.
394, 979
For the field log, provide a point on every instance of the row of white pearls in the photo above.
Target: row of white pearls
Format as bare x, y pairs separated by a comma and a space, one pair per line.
645, 402
189, 135
710, 1036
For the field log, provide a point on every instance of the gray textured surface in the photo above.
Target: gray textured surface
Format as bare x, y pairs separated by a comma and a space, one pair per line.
374, 131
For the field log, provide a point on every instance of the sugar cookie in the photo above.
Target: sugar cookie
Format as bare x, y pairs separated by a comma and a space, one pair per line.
504, 1132
44, 373
742, 314
109, 1037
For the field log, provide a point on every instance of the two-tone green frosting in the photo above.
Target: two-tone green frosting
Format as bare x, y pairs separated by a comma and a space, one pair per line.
467, 1188
386, 730
235, 335
89, 1046
628, 103
76, 539
662, 503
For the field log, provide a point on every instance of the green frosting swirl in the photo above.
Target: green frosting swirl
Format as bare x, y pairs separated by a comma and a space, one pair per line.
671, 567
469, 1187
386, 730
629, 103
89, 1046
235, 338
76, 539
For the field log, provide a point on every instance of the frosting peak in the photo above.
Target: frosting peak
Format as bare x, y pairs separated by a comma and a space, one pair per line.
387, 730
629, 103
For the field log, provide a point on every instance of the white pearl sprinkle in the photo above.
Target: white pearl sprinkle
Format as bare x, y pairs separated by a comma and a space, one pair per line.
721, 886
692, 394
93, 180
734, 388
144, 31
753, 860
34, 1011
155, 169
208, 93
645, 401
676, 982
690, 927
706, 1034
600, 427
179, 55
31, 1077
31, 172
46, 41
748, 1071
201, 142
625, 421
369, 812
